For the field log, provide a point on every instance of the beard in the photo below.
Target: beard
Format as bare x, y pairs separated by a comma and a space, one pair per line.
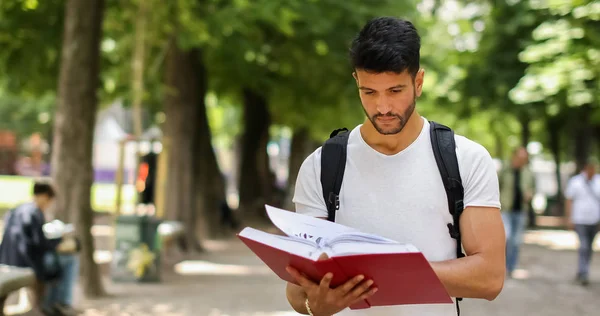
401, 120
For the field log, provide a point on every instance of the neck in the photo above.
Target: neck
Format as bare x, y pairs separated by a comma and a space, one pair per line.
392, 144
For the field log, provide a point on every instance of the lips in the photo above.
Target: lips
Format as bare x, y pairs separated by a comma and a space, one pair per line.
386, 119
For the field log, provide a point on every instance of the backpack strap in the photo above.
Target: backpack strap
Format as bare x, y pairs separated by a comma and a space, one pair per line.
333, 164
444, 150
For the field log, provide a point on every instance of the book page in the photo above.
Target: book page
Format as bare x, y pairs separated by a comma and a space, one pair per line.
362, 237
297, 246
348, 248
306, 227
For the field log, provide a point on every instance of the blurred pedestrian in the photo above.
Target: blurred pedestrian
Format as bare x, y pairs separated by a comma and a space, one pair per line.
582, 210
517, 186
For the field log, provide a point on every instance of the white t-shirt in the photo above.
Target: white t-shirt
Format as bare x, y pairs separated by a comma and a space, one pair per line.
401, 197
586, 207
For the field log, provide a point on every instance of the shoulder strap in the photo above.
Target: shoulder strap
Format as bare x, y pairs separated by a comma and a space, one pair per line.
333, 164
444, 150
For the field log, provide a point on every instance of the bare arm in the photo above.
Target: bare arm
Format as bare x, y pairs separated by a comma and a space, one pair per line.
481, 273
568, 210
296, 297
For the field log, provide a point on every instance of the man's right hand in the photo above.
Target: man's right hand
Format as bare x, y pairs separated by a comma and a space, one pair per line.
325, 301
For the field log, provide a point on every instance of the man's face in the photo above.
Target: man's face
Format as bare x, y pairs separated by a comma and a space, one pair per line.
521, 157
44, 202
590, 169
389, 98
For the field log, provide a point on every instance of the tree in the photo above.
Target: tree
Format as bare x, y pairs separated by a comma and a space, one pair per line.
289, 67
74, 127
181, 109
562, 70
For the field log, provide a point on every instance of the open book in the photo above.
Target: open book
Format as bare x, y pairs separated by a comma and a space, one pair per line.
399, 271
57, 229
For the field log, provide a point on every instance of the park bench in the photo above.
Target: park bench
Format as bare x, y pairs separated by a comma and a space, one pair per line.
13, 279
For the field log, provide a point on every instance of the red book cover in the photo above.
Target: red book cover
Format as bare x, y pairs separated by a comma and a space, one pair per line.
401, 278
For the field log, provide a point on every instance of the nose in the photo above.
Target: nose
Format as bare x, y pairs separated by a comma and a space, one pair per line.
383, 105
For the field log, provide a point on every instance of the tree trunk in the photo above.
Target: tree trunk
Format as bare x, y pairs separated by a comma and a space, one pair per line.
74, 124
255, 185
525, 130
554, 138
210, 187
181, 109
301, 146
583, 138
137, 83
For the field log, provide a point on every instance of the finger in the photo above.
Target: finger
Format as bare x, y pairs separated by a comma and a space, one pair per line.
326, 282
300, 278
323, 256
360, 290
349, 285
365, 296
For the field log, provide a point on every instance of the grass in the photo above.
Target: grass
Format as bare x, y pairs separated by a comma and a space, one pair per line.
16, 190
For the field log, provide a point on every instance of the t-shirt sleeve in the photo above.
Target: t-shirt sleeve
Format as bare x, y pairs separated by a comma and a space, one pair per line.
308, 194
478, 174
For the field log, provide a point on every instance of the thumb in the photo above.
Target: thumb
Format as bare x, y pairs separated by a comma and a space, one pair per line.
323, 256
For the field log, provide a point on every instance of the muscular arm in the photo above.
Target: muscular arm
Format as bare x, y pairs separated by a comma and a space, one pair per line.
481, 273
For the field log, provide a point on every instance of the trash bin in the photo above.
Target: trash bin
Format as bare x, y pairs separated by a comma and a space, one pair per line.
136, 257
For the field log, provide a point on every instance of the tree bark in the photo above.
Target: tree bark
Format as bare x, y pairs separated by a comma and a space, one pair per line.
256, 180
137, 69
210, 186
300, 148
74, 123
181, 109
554, 139
583, 138
525, 129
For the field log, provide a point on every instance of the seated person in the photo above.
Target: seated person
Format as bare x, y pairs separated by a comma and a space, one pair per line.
25, 245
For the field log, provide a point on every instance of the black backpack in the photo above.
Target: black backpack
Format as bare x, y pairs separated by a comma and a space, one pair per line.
333, 163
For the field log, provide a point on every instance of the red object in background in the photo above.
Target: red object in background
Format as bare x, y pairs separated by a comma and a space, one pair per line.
401, 278
8, 152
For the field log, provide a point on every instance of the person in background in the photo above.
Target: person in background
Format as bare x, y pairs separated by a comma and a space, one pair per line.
24, 244
517, 187
582, 210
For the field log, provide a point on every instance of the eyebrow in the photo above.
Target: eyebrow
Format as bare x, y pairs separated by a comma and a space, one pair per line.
390, 88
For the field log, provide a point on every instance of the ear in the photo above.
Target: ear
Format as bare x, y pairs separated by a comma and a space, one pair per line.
355, 77
419, 82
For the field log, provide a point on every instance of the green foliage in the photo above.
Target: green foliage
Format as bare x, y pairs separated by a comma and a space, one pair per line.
488, 63
24, 115
564, 61
295, 53
30, 41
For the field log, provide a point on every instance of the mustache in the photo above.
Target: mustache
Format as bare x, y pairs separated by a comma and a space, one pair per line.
390, 114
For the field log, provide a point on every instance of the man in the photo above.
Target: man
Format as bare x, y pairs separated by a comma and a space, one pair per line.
582, 210
392, 185
24, 244
517, 187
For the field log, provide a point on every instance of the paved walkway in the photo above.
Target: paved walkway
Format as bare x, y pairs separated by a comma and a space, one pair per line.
229, 280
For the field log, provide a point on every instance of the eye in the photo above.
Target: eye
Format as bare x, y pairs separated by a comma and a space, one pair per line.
396, 90
368, 92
